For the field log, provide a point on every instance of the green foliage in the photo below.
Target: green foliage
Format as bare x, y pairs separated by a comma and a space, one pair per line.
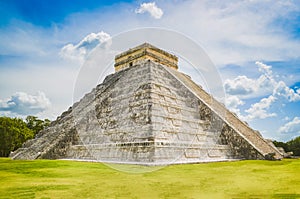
13, 133
69, 179
35, 124
292, 145
281, 144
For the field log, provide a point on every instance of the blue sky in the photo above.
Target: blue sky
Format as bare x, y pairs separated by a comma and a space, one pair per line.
45, 13
254, 44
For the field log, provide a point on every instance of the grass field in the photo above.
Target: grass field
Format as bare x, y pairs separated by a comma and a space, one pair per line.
68, 179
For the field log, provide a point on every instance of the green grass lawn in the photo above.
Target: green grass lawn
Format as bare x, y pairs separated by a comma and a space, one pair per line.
68, 179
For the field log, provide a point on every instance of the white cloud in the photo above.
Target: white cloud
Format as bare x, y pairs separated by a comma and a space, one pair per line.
246, 87
25, 104
78, 52
260, 109
266, 69
292, 127
282, 90
265, 84
151, 8
241, 85
232, 103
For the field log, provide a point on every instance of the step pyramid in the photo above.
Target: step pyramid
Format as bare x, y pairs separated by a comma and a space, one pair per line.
148, 112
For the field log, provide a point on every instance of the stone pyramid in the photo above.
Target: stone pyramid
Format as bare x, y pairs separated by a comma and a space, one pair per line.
148, 112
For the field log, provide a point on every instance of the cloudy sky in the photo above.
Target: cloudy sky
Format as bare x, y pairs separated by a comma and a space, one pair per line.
255, 45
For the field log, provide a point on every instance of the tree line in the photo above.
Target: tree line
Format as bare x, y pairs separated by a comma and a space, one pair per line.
15, 131
292, 145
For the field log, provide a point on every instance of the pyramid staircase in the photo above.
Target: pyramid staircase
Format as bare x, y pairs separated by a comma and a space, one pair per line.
252, 136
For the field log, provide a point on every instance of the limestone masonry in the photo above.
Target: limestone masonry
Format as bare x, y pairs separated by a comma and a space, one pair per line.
148, 112
145, 52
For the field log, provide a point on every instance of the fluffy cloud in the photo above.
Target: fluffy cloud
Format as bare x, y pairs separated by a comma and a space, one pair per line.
247, 87
282, 90
292, 127
264, 68
241, 85
232, 103
24, 104
151, 8
266, 83
260, 109
79, 51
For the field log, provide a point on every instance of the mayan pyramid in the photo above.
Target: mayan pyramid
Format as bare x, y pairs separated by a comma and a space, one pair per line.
148, 112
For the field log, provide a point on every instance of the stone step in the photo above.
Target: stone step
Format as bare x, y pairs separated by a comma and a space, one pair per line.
243, 129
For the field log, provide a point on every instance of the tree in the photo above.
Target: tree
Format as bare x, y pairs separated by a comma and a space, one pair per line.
35, 124
294, 145
281, 144
13, 133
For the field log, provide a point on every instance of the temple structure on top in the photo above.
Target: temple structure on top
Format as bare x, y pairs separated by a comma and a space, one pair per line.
143, 52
